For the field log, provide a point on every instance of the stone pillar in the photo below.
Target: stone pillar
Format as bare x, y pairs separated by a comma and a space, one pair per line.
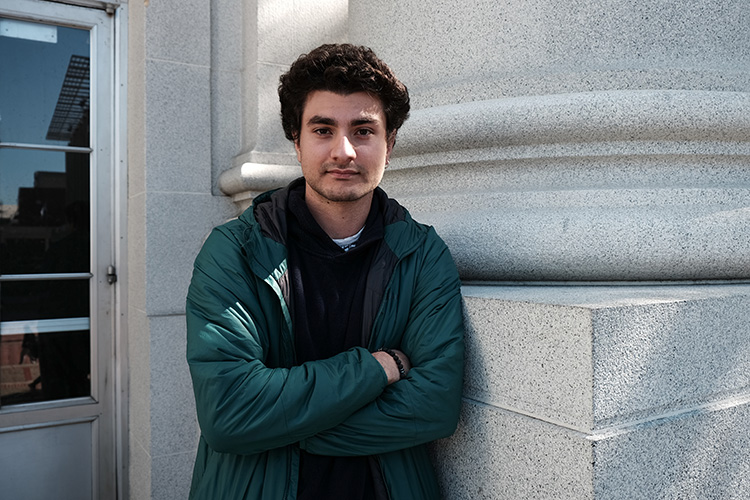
276, 33
588, 164
173, 62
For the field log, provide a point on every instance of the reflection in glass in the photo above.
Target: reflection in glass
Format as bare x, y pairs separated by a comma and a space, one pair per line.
44, 340
44, 366
44, 84
44, 212
44, 300
19, 368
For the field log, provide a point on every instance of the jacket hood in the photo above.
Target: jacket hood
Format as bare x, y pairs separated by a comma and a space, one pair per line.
402, 233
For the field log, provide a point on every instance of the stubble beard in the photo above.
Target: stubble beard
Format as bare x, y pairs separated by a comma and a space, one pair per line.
333, 195
339, 197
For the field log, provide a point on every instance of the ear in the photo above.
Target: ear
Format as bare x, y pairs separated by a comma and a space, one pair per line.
390, 143
297, 149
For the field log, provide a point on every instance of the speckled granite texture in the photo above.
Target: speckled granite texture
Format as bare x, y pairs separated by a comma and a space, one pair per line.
603, 392
564, 144
626, 185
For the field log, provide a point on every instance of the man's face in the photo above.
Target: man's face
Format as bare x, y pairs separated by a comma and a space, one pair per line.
342, 146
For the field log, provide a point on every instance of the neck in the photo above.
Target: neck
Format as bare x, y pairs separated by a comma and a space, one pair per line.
339, 219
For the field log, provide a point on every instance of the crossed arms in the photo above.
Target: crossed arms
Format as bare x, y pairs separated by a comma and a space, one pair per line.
250, 398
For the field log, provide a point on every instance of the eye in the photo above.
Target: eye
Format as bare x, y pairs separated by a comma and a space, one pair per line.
364, 131
322, 131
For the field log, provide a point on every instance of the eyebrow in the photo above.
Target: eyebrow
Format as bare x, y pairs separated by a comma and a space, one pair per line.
324, 120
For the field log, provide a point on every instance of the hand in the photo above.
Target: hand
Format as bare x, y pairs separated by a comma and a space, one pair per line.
390, 366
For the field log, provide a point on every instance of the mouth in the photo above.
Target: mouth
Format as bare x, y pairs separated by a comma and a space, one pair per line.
342, 173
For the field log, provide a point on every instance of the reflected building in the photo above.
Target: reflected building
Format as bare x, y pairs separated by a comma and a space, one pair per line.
47, 231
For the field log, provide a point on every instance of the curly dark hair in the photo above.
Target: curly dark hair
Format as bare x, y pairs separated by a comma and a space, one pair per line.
343, 69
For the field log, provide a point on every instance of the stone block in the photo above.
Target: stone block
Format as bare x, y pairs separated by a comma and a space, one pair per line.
275, 21
227, 122
227, 34
699, 454
587, 357
179, 31
288, 28
178, 128
603, 392
171, 476
534, 358
498, 454
316, 23
270, 134
175, 236
684, 346
173, 418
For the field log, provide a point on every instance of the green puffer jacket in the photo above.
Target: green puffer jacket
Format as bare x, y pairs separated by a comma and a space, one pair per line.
257, 408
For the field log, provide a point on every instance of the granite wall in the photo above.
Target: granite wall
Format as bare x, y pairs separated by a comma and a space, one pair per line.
587, 163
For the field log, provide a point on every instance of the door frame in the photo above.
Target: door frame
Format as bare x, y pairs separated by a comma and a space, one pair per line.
107, 22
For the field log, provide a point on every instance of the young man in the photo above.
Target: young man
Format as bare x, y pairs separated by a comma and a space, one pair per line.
325, 335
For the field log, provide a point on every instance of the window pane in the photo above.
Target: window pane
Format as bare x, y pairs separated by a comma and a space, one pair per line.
43, 300
44, 84
44, 340
44, 212
44, 366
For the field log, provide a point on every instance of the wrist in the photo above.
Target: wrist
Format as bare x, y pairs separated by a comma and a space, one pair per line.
397, 360
388, 365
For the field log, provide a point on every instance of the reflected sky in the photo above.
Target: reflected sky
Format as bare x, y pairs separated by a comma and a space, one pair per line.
31, 76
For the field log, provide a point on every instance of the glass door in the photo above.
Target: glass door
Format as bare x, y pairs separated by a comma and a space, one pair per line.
56, 359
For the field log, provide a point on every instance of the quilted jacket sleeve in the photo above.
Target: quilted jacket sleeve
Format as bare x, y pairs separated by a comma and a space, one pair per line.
424, 406
244, 406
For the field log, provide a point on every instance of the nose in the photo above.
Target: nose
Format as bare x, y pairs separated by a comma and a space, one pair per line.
343, 150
